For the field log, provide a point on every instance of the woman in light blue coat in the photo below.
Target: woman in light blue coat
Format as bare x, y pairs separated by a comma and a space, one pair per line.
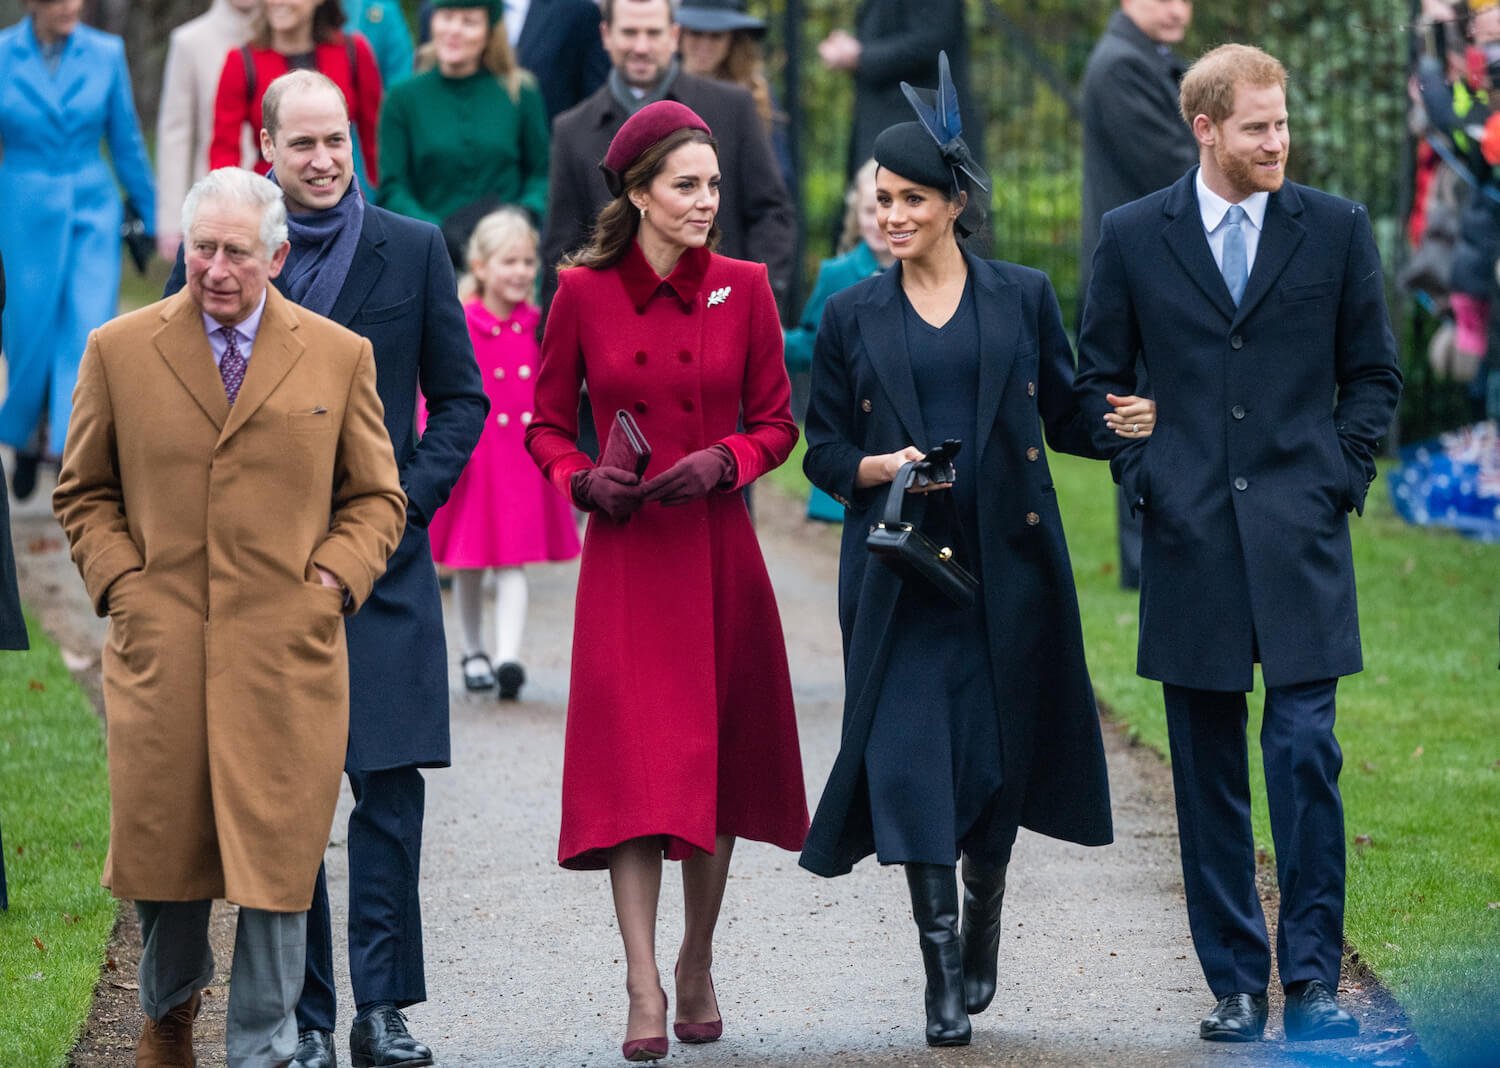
64, 88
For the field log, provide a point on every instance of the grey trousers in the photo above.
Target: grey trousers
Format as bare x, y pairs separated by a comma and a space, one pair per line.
265, 978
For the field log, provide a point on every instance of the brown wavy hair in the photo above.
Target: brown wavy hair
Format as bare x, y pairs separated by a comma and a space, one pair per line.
619, 222
327, 24
745, 65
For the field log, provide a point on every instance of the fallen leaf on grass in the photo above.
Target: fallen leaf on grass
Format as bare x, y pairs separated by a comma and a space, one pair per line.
40, 945
69, 918
1493, 905
1363, 842
110, 965
1368, 768
36, 684
1417, 752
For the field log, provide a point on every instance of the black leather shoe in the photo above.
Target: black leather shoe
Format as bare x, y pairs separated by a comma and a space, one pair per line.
934, 905
23, 477
512, 677
379, 1039
315, 1050
984, 893
1312, 1012
1236, 1018
478, 674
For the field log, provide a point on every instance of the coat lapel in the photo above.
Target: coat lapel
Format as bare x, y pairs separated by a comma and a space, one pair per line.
72, 73
277, 349
183, 344
364, 272
31, 73
997, 305
536, 20
884, 336
1189, 244
1280, 235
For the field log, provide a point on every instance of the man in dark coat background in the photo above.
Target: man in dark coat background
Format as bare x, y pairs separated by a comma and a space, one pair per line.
12, 622
1258, 307
559, 44
895, 41
387, 278
756, 219
1134, 143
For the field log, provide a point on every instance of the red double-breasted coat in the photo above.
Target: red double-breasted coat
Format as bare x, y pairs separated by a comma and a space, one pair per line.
680, 717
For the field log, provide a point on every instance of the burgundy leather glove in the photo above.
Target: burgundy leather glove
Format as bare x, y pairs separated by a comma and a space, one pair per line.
695, 475
611, 490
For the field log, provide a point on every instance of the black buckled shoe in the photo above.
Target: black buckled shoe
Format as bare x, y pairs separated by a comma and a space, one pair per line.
379, 1039
315, 1050
1236, 1018
1312, 1012
479, 674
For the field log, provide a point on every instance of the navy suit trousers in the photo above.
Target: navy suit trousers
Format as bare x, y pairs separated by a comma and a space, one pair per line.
1211, 777
385, 913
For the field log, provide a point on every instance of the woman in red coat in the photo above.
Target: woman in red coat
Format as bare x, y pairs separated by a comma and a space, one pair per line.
681, 733
297, 35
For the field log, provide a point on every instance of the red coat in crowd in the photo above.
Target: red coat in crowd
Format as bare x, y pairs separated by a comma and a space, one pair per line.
346, 59
680, 717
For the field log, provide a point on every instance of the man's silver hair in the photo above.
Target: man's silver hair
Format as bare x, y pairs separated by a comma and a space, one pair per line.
235, 185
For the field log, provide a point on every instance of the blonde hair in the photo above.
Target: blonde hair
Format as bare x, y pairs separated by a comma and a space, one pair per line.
1208, 86
496, 232
497, 58
851, 236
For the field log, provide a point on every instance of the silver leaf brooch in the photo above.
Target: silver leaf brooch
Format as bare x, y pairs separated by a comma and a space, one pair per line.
718, 296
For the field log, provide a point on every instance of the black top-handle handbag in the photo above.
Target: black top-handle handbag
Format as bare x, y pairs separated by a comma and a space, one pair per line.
910, 552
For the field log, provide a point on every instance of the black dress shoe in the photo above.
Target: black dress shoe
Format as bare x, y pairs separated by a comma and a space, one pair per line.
315, 1050
1236, 1018
478, 674
934, 905
984, 894
512, 677
23, 478
379, 1039
1312, 1012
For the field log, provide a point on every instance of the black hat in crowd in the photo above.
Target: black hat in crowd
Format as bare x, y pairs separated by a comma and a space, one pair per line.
718, 16
932, 149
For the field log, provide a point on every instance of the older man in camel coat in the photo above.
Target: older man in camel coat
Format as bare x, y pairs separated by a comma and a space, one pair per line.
226, 519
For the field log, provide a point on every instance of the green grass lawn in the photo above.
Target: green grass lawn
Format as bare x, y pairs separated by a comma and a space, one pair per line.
54, 812
1420, 730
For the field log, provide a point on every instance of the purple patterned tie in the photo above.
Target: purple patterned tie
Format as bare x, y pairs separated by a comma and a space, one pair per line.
232, 366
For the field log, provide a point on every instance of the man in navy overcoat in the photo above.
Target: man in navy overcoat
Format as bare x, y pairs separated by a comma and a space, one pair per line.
1258, 307
388, 278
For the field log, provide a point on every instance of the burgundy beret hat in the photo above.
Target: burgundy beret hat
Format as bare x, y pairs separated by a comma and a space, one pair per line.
640, 132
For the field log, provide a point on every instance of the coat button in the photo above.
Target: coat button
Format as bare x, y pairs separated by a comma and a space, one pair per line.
515, 328
524, 371
495, 331
640, 358
1238, 411
1032, 453
1031, 389
1236, 342
526, 418
685, 356
1241, 484
1032, 519
865, 405
640, 407
687, 405
499, 372
503, 419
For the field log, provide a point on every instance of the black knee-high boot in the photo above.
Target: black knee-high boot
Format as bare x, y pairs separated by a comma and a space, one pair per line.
934, 905
984, 892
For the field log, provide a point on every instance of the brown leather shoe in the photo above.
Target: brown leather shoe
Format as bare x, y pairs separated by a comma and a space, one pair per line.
168, 1042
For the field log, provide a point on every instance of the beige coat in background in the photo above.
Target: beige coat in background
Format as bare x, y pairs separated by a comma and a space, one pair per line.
196, 527
185, 116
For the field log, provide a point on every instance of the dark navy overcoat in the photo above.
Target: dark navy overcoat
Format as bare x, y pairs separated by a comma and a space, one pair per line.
864, 401
1267, 421
400, 294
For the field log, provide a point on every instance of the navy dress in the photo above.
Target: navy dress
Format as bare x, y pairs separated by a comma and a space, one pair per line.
933, 761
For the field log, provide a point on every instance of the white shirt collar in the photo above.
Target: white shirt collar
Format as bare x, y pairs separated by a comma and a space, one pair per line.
1212, 207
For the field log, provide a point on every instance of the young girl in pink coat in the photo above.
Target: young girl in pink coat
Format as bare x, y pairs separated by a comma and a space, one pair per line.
502, 514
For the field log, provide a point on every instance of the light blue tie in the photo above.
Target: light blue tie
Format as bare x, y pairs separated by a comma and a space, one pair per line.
1235, 266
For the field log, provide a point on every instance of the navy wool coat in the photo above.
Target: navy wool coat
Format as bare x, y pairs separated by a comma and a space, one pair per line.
400, 294
1267, 421
864, 401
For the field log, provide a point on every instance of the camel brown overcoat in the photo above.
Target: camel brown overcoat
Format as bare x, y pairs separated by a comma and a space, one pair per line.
197, 527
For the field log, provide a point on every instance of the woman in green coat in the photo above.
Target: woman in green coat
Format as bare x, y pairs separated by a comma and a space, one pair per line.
468, 135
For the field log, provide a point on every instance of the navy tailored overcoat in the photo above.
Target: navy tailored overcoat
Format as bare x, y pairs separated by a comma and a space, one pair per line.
400, 294
864, 401
1267, 421
560, 45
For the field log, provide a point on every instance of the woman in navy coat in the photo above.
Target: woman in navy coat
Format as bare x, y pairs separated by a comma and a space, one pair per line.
960, 724
64, 89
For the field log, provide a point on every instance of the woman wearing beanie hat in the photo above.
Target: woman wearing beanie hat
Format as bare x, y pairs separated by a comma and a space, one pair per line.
962, 722
468, 135
681, 732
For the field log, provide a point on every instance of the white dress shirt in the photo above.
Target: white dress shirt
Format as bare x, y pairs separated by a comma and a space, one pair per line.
1213, 208
515, 18
245, 330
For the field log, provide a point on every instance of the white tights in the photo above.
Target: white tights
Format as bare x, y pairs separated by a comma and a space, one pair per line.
511, 595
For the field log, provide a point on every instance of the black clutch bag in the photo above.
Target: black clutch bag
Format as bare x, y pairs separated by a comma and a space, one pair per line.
137, 242
904, 548
626, 447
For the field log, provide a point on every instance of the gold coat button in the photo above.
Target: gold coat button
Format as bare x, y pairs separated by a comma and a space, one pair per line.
1032, 519
1031, 389
503, 419
865, 405
524, 371
1032, 453
499, 372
